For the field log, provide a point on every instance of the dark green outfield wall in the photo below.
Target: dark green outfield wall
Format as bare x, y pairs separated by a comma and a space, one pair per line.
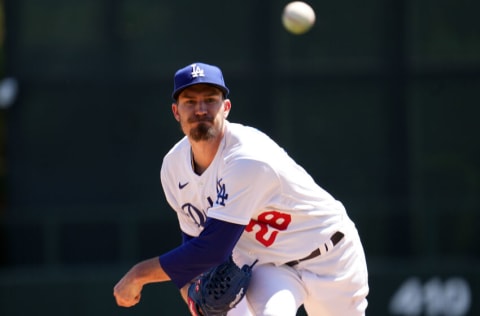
379, 101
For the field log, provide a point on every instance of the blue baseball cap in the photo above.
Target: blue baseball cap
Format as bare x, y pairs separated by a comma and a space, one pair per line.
198, 73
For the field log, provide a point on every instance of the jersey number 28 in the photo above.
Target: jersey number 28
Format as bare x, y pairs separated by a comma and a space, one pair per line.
269, 224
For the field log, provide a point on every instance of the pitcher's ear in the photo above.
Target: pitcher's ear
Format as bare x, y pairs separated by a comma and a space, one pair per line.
227, 105
175, 111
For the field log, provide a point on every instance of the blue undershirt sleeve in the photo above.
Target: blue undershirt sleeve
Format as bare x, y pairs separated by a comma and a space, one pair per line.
198, 254
186, 237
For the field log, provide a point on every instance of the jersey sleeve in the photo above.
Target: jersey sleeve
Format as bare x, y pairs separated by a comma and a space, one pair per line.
246, 187
165, 181
196, 255
169, 181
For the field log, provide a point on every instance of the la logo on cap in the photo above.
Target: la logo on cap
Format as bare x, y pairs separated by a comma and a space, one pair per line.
197, 71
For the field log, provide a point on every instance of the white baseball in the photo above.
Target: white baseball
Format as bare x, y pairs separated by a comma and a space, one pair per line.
298, 17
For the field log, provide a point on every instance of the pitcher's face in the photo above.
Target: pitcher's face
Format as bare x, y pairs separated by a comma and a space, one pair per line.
201, 111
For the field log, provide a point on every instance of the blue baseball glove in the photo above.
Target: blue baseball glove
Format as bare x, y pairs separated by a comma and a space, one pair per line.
218, 290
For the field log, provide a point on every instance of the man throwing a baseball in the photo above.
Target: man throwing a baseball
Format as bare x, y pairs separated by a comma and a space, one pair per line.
241, 201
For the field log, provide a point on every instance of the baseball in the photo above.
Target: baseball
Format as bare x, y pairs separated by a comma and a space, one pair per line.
298, 17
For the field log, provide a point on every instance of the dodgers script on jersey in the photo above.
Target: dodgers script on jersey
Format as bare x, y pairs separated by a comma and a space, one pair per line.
276, 219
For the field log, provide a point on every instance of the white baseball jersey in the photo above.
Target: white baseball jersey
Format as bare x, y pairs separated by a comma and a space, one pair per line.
252, 181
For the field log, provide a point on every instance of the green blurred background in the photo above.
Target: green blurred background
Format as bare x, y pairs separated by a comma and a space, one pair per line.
379, 101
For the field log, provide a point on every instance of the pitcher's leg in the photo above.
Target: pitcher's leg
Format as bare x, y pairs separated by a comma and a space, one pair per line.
275, 291
241, 309
338, 281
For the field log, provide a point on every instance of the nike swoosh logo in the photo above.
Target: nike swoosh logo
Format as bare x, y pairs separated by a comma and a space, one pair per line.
181, 186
